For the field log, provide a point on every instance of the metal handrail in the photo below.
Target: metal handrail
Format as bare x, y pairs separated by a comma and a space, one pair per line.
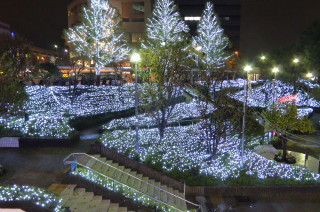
161, 189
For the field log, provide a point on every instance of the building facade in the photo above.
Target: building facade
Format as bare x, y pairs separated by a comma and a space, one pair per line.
228, 11
134, 14
4, 28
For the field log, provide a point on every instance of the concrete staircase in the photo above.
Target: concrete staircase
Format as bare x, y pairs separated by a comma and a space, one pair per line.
143, 184
78, 200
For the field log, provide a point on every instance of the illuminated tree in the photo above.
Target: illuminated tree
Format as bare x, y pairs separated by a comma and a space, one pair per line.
210, 42
14, 54
98, 37
166, 57
284, 119
211, 58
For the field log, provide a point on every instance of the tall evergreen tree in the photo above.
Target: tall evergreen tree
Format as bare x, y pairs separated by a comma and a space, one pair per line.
166, 57
210, 42
165, 25
211, 57
98, 37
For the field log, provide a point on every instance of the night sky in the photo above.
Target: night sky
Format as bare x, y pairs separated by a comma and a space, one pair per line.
40, 21
265, 24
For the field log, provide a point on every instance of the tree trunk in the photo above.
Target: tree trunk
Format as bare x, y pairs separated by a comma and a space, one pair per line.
284, 149
162, 126
98, 80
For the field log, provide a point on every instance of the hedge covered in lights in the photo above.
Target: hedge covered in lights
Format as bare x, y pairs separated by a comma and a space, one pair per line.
262, 96
38, 196
183, 149
186, 111
50, 109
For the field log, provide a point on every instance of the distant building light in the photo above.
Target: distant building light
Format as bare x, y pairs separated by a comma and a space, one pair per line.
13, 34
227, 18
192, 18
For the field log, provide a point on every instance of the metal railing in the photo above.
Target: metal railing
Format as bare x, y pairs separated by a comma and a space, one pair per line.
74, 155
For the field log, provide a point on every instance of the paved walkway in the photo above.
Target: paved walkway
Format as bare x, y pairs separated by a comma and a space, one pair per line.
37, 166
312, 163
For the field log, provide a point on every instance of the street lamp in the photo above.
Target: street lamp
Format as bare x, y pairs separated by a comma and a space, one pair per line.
296, 60
263, 58
275, 70
198, 49
310, 75
247, 69
135, 58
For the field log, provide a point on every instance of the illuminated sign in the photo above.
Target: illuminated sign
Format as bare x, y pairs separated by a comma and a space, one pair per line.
288, 98
65, 75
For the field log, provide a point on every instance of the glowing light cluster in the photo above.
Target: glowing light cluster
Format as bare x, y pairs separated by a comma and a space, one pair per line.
98, 37
211, 40
309, 84
166, 25
262, 96
238, 83
50, 108
181, 111
36, 195
183, 148
42, 126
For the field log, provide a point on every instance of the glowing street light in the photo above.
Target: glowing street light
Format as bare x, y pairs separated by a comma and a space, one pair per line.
310, 75
135, 58
198, 48
263, 58
296, 60
275, 70
247, 69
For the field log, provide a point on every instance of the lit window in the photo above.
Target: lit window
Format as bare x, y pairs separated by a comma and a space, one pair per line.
192, 18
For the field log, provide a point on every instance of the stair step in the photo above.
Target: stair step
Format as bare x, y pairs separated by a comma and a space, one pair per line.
75, 198
81, 207
96, 156
104, 205
163, 196
137, 184
87, 197
113, 207
96, 200
125, 178
151, 190
91, 162
98, 166
68, 190
52, 187
122, 209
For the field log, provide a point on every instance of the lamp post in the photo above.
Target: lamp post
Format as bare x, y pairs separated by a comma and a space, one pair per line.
198, 49
275, 70
309, 75
247, 69
135, 58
